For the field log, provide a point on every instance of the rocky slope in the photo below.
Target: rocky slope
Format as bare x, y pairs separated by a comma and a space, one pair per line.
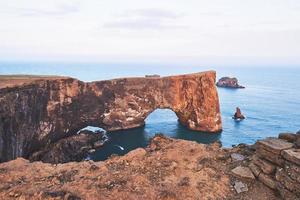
37, 111
166, 169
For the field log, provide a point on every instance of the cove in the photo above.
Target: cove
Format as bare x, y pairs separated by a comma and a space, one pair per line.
162, 121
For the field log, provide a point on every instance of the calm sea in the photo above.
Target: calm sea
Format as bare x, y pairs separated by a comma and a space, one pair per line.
271, 101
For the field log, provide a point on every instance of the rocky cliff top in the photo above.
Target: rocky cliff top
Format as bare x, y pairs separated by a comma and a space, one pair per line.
166, 169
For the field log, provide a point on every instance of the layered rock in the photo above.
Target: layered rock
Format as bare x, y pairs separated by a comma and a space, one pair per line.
228, 82
46, 109
276, 163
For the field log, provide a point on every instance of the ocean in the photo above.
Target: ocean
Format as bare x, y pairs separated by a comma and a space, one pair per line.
270, 101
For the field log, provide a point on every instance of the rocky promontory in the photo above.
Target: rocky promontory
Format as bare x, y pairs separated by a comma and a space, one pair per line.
38, 111
228, 82
166, 169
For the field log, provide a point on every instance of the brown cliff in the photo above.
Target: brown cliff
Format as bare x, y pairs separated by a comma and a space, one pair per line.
35, 111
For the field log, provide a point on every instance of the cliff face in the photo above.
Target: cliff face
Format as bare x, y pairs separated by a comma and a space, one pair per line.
44, 110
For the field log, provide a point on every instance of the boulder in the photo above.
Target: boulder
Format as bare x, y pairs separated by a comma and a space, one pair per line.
274, 145
266, 166
290, 137
270, 156
292, 155
243, 172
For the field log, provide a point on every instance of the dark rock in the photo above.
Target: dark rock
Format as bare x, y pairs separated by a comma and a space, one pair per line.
290, 137
293, 171
238, 114
228, 82
73, 148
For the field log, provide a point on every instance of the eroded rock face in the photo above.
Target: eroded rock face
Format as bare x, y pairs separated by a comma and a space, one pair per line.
44, 110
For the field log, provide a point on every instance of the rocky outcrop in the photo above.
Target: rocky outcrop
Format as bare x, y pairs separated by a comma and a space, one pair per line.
73, 148
166, 169
276, 164
47, 109
228, 82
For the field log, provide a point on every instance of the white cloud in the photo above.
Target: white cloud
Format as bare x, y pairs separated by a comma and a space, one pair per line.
149, 30
140, 19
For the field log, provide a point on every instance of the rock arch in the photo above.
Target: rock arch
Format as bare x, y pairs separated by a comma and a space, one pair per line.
47, 109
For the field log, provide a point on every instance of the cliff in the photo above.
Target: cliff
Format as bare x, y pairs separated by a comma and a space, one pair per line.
37, 111
166, 169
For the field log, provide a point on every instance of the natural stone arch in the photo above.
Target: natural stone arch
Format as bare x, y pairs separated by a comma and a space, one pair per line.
47, 109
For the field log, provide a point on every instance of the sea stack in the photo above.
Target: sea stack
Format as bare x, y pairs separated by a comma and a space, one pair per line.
238, 114
228, 82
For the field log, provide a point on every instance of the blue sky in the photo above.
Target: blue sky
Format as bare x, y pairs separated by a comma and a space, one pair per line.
194, 31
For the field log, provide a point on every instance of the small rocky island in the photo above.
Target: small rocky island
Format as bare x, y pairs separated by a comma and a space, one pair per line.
227, 82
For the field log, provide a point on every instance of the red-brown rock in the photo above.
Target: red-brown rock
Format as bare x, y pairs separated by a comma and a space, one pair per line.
35, 111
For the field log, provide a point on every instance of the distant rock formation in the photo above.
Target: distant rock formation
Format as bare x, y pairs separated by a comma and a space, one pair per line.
47, 109
228, 82
238, 114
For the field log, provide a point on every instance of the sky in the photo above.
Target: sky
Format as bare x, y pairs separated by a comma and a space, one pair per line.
191, 31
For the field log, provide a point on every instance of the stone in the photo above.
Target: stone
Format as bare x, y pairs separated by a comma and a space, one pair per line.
270, 156
237, 157
228, 82
287, 181
274, 145
267, 180
48, 109
292, 155
286, 194
240, 187
255, 169
264, 165
243, 172
290, 137
73, 148
293, 171
297, 142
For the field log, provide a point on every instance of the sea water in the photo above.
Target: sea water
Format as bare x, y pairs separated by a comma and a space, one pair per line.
270, 101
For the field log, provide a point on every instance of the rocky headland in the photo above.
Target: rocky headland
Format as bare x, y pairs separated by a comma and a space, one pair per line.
228, 82
166, 169
39, 111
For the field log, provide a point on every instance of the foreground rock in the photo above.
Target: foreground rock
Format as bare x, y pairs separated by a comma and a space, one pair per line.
166, 169
44, 110
228, 82
74, 148
276, 164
